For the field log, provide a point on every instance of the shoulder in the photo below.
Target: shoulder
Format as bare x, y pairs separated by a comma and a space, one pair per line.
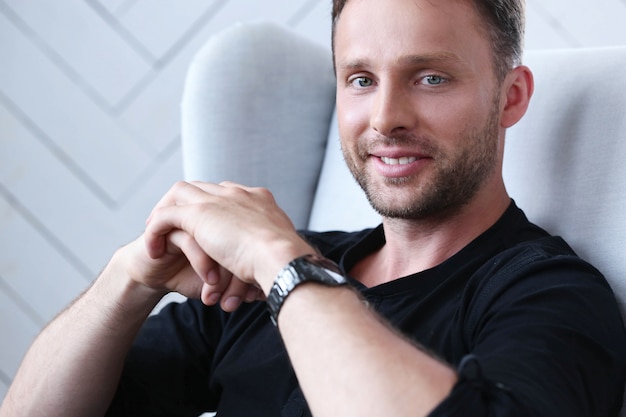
518, 252
548, 259
541, 283
534, 266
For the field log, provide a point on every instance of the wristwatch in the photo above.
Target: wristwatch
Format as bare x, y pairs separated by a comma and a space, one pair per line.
307, 268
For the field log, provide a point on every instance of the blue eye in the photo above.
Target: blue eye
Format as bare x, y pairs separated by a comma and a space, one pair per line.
362, 82
433, 80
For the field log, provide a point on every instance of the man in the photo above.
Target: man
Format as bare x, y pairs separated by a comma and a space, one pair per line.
456, 304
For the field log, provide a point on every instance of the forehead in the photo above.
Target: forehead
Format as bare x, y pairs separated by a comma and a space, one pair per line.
387, 30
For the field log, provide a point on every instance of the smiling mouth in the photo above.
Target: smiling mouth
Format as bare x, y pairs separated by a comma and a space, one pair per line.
398, 161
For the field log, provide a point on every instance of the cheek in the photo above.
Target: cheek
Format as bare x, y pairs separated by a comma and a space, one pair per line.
352, 118
453, 118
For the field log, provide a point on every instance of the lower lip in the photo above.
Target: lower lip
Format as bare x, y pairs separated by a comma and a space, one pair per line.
399, 171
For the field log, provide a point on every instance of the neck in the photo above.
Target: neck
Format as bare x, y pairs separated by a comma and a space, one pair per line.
431, 241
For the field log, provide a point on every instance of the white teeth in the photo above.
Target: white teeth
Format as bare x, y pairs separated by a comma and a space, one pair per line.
398, 161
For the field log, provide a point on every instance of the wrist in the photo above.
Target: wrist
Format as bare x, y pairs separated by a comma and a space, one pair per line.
304, 269
121, 280
282, 253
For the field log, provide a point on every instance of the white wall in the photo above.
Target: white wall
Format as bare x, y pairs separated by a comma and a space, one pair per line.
89, 126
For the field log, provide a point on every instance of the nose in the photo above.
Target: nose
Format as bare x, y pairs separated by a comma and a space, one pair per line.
392, 110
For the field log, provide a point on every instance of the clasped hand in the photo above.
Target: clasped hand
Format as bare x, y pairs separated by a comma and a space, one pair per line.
234, 238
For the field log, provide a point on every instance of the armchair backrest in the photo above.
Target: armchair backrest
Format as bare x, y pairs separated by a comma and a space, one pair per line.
564, 161
258, 109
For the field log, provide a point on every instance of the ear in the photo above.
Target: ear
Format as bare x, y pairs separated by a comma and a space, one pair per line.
517, 90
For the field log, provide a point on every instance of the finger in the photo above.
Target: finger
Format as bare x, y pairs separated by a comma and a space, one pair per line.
226, 188
183, 192
208, 296
212, 293
163, 221
211, 187
201, 263
234, 295
191, 192
156, 243
169, 198
252, 294
163, 218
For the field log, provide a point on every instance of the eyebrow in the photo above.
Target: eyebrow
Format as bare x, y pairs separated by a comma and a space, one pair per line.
407, 60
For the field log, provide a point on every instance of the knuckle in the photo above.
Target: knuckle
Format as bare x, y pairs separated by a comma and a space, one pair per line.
263, 193
179, 185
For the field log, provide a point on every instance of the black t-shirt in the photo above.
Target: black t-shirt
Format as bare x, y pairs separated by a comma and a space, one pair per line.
532, 329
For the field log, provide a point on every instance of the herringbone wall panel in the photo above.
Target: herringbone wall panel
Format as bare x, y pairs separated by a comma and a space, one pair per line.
89, 126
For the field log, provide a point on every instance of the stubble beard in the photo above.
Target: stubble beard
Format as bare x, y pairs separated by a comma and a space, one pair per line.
455, 181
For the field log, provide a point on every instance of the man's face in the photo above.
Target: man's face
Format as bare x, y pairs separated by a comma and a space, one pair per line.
418, 104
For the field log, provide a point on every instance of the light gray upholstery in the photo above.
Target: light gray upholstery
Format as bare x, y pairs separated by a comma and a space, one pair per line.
258, 105
565, 160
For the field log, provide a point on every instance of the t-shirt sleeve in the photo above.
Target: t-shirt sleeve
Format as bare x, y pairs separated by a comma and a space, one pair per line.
546, 339
168, 367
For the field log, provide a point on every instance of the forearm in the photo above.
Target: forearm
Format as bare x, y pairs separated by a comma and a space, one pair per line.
349, 362
73, 367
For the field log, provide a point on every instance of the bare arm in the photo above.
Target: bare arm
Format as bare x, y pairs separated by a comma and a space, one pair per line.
73, 367
350, 363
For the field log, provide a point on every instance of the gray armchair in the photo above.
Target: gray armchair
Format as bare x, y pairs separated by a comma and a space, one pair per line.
258, 109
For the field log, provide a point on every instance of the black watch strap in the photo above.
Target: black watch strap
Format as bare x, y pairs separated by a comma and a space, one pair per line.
307, 268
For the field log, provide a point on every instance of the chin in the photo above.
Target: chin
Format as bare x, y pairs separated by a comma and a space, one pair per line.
415, 204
